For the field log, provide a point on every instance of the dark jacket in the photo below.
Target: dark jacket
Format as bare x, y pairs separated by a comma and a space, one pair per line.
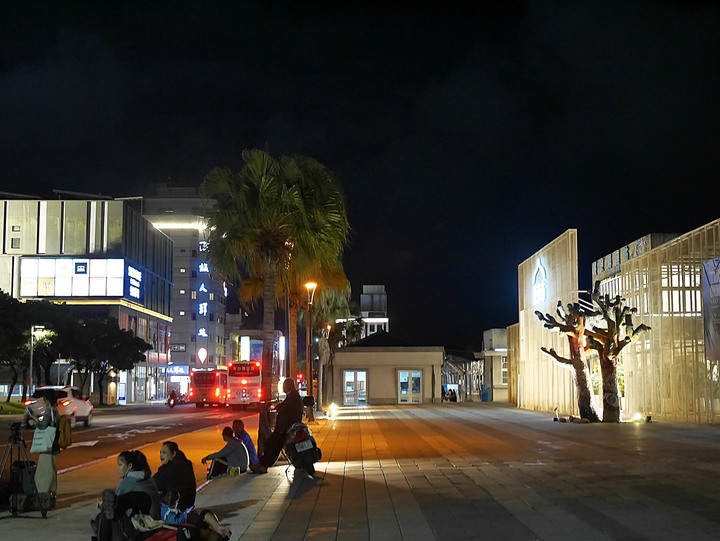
135, 481
177, 475
289, 412
246, 440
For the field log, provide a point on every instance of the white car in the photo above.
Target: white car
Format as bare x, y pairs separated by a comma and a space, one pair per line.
70, 402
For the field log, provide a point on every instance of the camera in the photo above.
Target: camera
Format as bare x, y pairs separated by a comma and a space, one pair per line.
15, 431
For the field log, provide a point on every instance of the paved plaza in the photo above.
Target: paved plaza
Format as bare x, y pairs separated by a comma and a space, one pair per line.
458, 471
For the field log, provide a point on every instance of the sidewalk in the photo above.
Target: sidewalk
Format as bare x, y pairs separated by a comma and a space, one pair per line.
453, 472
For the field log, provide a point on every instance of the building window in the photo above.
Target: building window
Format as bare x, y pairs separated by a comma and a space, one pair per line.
194, 274
181, 312
15, 228
182, 292
212, 296
193, 294
15, 243
193, 316
183, 270
504, 370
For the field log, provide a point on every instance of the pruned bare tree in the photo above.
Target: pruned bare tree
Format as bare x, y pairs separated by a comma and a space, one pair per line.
572, 325
608, 344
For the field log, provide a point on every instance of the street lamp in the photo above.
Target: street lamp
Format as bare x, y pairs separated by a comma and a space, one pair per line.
310, 286
33, 328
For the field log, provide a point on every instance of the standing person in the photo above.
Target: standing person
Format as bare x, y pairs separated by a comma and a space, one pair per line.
241, 434
289, 412
233, 455
176, 473
46, 472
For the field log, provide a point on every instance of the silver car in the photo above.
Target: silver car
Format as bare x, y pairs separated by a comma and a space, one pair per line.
70, 402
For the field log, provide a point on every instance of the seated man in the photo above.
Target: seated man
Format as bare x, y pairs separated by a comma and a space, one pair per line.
289, 412
233, 455
241, 434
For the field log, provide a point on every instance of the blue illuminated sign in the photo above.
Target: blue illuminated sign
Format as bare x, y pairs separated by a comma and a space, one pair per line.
134, 284
178, 370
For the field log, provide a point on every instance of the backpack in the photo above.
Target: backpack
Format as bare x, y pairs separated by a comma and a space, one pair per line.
65, 432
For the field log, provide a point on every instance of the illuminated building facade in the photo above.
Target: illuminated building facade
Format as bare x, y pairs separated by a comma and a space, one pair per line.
199, 302
549, 275
671, 372
106, 260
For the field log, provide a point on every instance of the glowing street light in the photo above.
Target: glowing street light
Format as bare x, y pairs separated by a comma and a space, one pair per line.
311, 287
33, 328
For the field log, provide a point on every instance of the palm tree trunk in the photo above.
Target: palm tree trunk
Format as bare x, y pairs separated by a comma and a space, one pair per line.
293, 341
269, 279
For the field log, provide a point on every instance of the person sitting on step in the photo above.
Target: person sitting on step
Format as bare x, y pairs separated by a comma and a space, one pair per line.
233, 455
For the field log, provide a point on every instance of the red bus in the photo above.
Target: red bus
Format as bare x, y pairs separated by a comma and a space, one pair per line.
209, 386
245, 370
245, 383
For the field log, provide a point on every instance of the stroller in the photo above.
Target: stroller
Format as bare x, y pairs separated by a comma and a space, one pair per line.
301, 449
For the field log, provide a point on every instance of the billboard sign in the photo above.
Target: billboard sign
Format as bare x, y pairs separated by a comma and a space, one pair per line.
79, 277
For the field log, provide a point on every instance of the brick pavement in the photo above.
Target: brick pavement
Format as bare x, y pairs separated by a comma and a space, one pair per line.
465, 471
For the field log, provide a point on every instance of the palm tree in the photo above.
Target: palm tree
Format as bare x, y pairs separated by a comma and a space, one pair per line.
265, 216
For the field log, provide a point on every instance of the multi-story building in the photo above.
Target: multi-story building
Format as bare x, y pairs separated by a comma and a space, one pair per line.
199, 302
103, 258
373, 310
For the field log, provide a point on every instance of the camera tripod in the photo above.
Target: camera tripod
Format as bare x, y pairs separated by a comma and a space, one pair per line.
17, 448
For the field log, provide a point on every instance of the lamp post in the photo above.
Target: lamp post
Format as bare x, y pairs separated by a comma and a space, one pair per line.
33, 328
310, 286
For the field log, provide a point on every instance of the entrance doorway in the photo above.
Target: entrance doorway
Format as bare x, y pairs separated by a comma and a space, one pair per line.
354, 387
409, 386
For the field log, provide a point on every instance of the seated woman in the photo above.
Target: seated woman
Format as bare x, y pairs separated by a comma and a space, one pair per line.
136, 492
233, 455
176, 473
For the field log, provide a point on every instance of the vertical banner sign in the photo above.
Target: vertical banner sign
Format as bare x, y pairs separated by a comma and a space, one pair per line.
711, 308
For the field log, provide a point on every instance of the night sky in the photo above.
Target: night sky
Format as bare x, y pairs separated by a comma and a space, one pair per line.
465, 139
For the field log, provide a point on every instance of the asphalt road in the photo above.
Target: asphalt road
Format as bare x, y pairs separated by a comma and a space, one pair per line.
136, 427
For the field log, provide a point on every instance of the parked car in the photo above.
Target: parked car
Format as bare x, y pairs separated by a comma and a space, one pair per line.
70, 402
